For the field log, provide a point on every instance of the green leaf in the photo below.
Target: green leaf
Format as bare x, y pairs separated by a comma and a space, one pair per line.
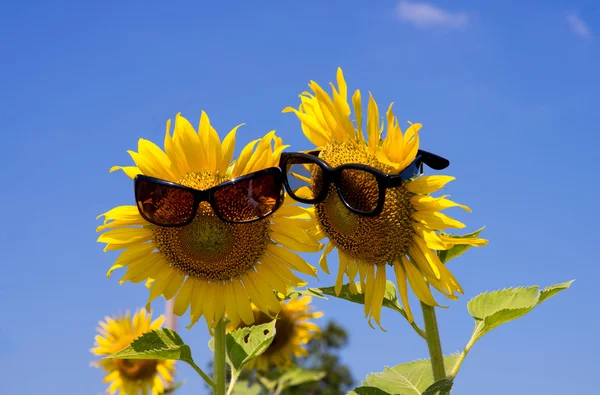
367, 391
552, 290
492, 309
444, 385
489, 303
407, 379
297, 376
160, 344
313, 292
390, 299
244, 387
453, 252
245, 344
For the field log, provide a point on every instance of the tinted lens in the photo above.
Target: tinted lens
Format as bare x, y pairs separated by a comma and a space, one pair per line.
305, 179
248, 200
359, 189
164, 205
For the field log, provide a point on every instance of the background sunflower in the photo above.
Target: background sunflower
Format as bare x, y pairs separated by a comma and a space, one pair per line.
293, 332
406, 235
212, 266
131, 376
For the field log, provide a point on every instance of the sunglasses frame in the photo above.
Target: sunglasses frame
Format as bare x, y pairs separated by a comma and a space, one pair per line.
384, 181
207, 195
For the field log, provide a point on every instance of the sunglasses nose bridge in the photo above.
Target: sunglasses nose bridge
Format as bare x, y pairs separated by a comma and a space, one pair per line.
202, 196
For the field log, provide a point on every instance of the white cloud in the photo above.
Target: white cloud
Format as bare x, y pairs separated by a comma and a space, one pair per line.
426, 15
578, 26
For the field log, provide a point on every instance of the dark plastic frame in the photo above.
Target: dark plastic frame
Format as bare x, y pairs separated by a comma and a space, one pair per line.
207, 195
385, 181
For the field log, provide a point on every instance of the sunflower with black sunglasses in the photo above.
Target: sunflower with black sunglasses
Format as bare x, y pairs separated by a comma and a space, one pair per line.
215, 232
371, 200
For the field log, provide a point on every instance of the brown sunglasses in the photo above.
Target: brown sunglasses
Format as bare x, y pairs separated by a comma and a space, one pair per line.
243, 199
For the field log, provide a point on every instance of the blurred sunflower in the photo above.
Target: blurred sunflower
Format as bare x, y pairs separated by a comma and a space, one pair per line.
131, 376
292, 332
408, 231
211, 265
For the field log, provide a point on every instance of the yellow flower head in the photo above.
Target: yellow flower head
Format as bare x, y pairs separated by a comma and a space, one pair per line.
214, 266
131, 376
292, 332
407, 232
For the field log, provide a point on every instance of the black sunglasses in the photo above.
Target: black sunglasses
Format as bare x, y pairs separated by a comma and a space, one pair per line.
243, 199
360, 187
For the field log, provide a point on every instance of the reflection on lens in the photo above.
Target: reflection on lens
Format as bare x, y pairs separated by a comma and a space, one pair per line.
359, 189
249, 199
305, 179
164, 205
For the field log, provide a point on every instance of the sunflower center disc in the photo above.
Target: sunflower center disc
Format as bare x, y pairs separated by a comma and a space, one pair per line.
137, 369
376, 240
209, 248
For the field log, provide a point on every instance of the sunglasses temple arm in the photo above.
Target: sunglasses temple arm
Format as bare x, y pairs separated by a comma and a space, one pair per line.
434, 161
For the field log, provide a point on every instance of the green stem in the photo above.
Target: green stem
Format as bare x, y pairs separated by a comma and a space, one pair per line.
433, 342
463, 354
219, 358
203, 375
419, 331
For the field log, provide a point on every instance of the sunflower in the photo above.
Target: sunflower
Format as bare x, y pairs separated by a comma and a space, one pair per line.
212, 266
408, 231
292, 331
131, 376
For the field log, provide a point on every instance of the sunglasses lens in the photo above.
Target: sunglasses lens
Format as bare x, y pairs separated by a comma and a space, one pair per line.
359, 189
249, 199
164, 205
305, 179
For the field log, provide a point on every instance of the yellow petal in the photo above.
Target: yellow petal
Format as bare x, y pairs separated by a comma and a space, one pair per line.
340, 275
295, 240
266, 274
356, 103
182, 301
431, 238
188, 143
125, 235
243, 302
436, 220
130, 171
403, 289
323, 260
227, 149
428, 184
418, 284
411, 144
288, 257
210, 145
472, 241
373, 125
230, 304
242, 161
369, 288
257, 284
155, 160
426, 202
378, 294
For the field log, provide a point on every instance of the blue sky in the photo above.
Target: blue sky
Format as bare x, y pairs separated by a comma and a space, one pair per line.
506, 92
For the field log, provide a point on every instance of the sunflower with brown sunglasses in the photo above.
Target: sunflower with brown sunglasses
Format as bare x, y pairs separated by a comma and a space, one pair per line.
217, 233
371, 200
